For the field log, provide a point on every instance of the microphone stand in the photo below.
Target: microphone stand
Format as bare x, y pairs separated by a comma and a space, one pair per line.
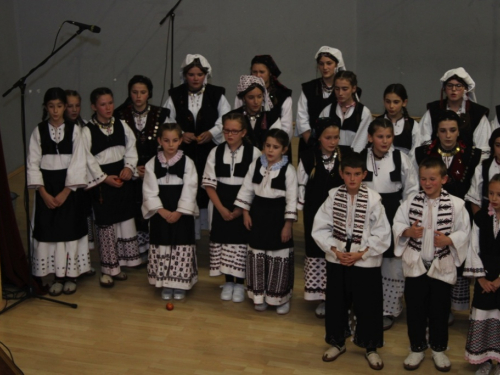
171, 14
21, 83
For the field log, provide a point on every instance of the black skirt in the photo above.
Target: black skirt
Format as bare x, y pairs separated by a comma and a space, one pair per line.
228, 232
268, 219
62, 224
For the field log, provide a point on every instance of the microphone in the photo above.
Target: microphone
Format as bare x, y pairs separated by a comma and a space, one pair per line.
83, 26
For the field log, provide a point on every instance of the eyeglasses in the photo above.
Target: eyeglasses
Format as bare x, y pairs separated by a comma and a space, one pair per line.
232, 132
457, 86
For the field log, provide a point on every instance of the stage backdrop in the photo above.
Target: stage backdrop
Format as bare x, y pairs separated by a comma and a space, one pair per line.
411, 42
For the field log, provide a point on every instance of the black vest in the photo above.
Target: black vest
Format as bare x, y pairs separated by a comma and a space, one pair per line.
49, 147
278, 183
208, 113
489, 245
240, 169
403, 140
101, 142
313, 91
175, 170
351, 123
395, 174
469, 123
278, 97
486, 164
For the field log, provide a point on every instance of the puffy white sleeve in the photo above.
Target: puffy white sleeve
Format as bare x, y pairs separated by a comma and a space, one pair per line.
287, 117
425, 128
223, 107
302, 178
361, 138
495, 124
409, 177
35, 178
379, 239
246, 194
95, 175
291, 193
415, 137
326, 112
460, 232
277, 125
323, 226
130, 159
481, 137
400, 224
209, 177
187, 202
473, 265
237, 102
170, 105
302, 124
76, 176
151, 201
475, 193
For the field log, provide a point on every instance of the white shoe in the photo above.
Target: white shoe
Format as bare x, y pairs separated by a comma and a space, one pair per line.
167, 294
485, 368
238, 293
333, 353
374, 361
413, 361
179, 294
261, 307
283, 309
441, 361
320, 310
227, 291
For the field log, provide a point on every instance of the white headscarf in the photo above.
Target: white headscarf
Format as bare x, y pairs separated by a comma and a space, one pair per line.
246, 81
204, 63
335, 53
460, 72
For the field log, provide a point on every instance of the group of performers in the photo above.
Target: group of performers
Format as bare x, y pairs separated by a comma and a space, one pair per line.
146, 179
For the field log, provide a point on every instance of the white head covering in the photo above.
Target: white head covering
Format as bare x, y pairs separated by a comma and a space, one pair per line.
460, 72
203, 61
247, 81
335, 53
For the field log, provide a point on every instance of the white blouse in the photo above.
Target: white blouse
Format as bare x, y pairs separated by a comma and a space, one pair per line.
475, 193
302, 123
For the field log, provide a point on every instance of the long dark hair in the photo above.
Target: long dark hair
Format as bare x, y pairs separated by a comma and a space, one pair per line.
54, 93
399, 90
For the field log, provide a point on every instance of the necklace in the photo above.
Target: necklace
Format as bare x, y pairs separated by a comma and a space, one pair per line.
448, 153
251, 117
139, 113
108, 127
326, 88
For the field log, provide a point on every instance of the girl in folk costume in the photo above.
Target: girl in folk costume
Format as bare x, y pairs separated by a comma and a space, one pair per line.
257, 109
406, 129
144, 120
478, 192
474, 126
352, 116
353, 231
461, 161
483, 263
392, 175
318, 172
169, 189
226, 168
111, 162
197, 107
317, 94
268, 198
263, 66
56, 168
431, 231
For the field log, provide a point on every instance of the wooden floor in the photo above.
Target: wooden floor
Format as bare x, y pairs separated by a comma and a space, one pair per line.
127, 330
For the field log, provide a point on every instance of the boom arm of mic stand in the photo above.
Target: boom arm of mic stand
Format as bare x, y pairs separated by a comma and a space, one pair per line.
170, 13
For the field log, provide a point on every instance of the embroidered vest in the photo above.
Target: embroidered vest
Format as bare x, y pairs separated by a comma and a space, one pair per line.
351, 123
175, 170
313, 91
278, 183
49, 147
101, 142
395, 174
240, 169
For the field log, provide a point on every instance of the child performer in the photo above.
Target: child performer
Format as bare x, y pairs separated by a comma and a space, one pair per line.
226, 168
353, 231
431, 249
478, 191
169, 190
268, 197
111, 162
353, 116
483, 263
318, 172
56, 168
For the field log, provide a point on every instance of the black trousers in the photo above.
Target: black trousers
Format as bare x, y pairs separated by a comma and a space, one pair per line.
361, 289
427, 304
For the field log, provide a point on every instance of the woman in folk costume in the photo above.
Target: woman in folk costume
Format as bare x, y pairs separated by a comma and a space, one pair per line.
111, 163
198, 107
263, 66
318, 93
257, 109
461, 161
56, 168
475, 129
144, 120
